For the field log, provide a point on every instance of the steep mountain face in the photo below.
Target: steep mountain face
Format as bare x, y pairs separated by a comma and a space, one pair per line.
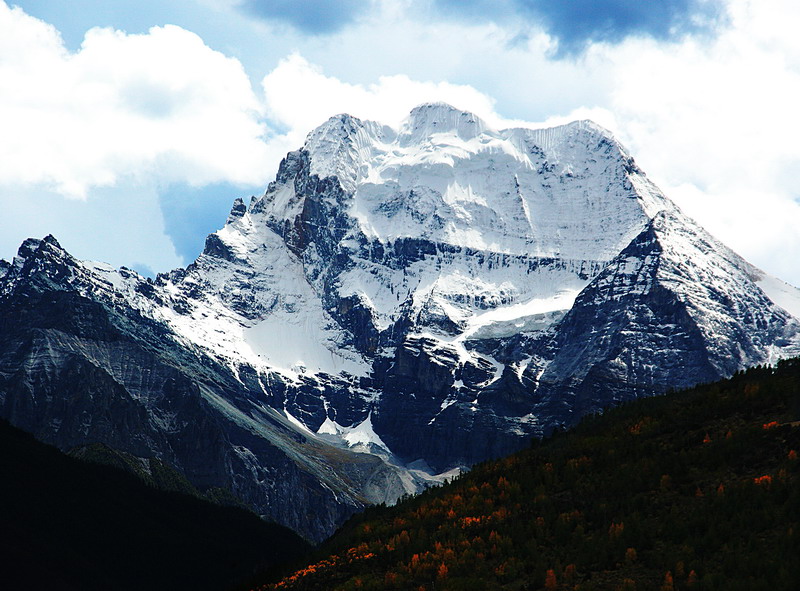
397, 304
79, 365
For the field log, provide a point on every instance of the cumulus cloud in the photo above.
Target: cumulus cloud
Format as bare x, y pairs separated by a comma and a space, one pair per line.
299, 96
160, 105
714, 123
93, 138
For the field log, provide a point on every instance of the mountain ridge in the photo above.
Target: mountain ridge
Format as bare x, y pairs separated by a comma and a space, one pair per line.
397, 305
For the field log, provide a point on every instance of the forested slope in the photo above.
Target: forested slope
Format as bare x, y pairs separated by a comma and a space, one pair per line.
693, 490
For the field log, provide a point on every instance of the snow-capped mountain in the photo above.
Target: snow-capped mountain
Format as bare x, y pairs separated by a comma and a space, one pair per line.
399, 303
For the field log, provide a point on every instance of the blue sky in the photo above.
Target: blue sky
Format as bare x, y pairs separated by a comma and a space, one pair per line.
130, 128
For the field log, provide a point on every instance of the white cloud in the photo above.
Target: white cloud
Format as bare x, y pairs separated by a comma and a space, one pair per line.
300, 96
160, 106
714, 123
90, 136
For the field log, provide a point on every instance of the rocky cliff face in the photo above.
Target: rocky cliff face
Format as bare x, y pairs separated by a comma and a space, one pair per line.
397, 304
78, 365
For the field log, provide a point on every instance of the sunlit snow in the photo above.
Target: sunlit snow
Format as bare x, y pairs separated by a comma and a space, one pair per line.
785, 295
361, 434
296, 342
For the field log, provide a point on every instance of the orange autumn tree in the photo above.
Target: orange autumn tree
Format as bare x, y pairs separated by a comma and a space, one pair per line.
441, 573
668, 584
550, 581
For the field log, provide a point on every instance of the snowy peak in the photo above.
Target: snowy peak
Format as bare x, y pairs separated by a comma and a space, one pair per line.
430, 119
741, 325
32, 246
435, 235
446, 177
44, 261
565, 140
343, 146
237, 210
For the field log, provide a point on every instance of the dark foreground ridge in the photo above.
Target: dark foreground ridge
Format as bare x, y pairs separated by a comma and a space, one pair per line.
66, 524
697, 490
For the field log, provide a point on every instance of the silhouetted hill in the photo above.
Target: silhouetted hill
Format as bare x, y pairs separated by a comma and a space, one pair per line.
66, 524
692, 490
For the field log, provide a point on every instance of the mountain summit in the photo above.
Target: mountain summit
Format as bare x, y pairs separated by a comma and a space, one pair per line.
399, 303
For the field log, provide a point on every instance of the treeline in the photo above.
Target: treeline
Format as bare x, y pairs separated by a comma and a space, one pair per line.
692, 490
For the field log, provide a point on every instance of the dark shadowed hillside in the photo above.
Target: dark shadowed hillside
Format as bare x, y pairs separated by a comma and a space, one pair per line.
693, 490
66, 524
